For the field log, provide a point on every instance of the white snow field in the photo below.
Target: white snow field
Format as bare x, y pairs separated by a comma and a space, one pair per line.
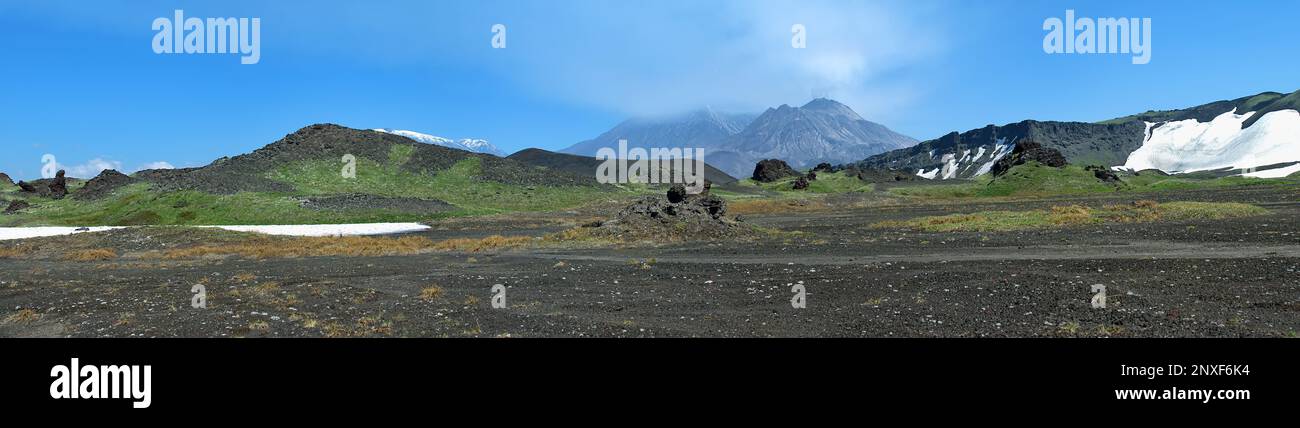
365, 229
1274, 173
1188, 145
7, 233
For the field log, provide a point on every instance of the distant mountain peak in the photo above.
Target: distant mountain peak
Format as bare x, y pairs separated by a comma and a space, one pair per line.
468, 144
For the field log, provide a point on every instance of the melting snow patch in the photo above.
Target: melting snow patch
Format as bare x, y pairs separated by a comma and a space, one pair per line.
1274, 173
7, 233
330, 229
1188, 145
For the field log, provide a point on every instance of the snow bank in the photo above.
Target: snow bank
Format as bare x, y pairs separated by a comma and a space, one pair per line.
1188, 145
363, 229
1275, 173
7, 233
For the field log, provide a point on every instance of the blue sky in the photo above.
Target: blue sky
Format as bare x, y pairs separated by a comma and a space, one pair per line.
79, 79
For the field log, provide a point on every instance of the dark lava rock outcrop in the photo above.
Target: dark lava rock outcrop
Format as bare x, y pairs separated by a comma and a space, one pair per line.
1026, 151
1102, 173
824, 167
769, 170
5, 180
800, 184
102, 185
55, 188
701, 216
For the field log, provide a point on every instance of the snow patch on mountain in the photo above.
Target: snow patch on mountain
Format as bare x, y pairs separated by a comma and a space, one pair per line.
1275, 172
954, 165
1190, 145
467, 144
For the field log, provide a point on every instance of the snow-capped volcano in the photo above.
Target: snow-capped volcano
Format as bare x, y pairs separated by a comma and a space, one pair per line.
467, 144
1190, 145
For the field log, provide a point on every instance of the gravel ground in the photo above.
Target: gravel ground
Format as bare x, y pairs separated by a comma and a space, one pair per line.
1173, 279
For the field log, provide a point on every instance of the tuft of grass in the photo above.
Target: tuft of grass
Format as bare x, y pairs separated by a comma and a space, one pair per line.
430, 293
259, 325
94, 255
12, 252
1075, 215
24, 316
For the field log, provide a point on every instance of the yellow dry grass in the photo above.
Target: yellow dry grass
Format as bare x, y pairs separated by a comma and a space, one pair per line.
93, 255
474, 245
357, 246
11, 253
430, 293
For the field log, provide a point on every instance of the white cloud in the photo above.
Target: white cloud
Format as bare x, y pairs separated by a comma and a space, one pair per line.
91, 168
156, 165
738, 56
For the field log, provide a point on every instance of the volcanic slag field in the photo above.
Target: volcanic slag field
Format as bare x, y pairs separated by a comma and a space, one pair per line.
884, 260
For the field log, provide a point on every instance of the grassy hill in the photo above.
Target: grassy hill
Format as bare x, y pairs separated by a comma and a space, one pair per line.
288, 181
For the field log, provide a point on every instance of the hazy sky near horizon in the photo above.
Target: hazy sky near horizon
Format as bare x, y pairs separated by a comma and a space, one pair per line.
80, 80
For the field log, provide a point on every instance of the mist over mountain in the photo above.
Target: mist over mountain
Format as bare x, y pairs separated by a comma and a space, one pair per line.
822, 130
704, 128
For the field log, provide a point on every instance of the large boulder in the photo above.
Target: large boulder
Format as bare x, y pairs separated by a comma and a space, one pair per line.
678, 193
1103, 173
103, 185
59, 187
769, 170
801, 183
1026, 151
